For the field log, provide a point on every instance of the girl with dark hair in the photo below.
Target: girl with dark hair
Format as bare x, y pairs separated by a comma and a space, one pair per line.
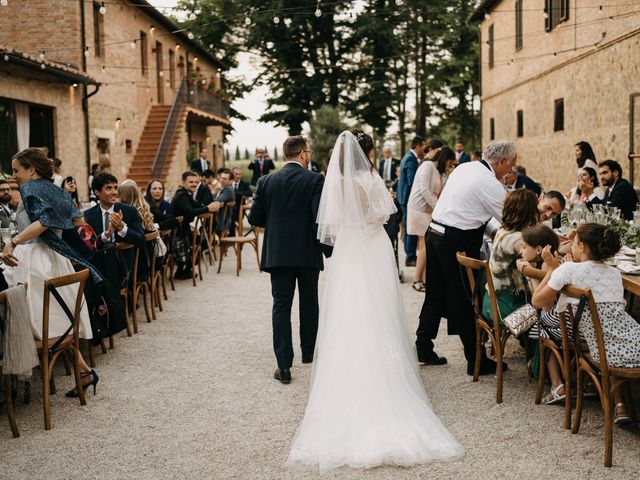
588, 191
69, 186
160, 208
519, 212
585, 156
427, 185
592, 245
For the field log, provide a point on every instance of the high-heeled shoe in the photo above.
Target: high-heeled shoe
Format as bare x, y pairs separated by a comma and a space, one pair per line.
94, 381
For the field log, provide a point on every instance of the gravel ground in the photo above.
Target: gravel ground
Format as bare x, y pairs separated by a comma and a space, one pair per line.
192, 396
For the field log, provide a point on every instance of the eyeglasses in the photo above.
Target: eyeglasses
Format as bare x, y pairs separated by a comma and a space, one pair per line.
310, 152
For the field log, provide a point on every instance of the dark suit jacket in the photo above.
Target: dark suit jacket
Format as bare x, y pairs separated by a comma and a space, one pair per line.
623, 196
203, 194
196, 165
394, 163
267, 166
464, 158
243, 190
408, 168
286, 205
526, 182
5, 221
164, 221
225, 195
184, 205
130, 216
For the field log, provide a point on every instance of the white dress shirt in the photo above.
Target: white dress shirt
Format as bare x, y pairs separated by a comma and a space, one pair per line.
103, 235
387, 168
471, 197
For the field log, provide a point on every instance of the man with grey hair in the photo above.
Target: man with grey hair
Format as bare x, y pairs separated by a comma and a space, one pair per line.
472, 196
388, 165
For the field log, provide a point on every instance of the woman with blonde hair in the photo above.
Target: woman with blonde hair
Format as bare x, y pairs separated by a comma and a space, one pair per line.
130, 194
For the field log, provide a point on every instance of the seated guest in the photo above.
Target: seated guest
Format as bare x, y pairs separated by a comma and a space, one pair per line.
550, 205
513, 181
588, 191
476, 156
240, 187
129, 194
225, 195
38, 252
6, 211
585, 156
592, 245
185, 205
69, 186
204, 190
619, 192
160, 209
520, 211
113, 221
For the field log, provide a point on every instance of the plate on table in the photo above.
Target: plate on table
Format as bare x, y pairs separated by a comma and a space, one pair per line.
627, 251
629, 268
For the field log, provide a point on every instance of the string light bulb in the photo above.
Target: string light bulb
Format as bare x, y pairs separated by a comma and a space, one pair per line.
41, 56
190, 36
133, 44
4, 3
318, 12
420, 19
86, 51
247, 20
42, 66
104, 69
102, 9
276, 20
152, 30
6, 57
287, 21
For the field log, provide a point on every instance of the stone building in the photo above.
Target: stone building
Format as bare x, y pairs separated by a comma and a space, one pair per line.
555, 72
115, 83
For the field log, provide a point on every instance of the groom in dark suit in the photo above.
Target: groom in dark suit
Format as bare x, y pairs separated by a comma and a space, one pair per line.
286, 205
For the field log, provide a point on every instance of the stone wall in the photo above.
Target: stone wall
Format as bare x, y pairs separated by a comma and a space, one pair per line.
594, 81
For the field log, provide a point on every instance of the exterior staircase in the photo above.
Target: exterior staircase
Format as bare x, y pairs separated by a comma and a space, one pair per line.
141, 167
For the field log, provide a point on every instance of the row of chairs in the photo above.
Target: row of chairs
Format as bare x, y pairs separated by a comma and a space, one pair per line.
149, 288
573, 356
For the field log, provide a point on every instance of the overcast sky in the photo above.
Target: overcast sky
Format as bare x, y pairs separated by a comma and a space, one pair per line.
251, 133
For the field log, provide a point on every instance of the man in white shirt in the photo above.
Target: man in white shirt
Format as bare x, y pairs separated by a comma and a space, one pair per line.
388, 165
201, 164
472, 196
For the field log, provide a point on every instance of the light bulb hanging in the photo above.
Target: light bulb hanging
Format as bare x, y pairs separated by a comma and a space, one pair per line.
247, 20
318, 12
103, 9
190, 36
133, 44
276, 20
4, 3
86, 51
41, 56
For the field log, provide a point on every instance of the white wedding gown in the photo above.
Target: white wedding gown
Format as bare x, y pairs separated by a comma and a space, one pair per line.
367, 405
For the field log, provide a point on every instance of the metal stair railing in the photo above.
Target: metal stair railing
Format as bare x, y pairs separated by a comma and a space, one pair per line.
164, 146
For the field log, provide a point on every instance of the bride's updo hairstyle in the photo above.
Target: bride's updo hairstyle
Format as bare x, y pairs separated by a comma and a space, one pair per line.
366, 143
603, 242
37, 159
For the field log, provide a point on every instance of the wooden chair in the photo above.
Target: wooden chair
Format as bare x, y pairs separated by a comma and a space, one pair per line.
563, 355
50, 349
8, 401
207, 237
491, 329
237, 242
196, 249
7, 391
599, 372
169, 264
154, 274
130, 296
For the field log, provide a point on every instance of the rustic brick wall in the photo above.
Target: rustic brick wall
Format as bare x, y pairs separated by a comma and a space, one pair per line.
595, 84
52, 25
68, 119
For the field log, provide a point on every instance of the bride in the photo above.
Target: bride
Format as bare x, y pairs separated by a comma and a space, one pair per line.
367, 405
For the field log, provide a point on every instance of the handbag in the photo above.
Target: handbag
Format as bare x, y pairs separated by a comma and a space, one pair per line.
159, 248
522, 318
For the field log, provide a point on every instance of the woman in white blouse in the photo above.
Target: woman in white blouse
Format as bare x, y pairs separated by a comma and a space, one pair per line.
427, 185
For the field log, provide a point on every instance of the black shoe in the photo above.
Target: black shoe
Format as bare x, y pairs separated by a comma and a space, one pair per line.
94, 381
307, 358
282, 374
183, 275
432, 359
487, 367
410, 263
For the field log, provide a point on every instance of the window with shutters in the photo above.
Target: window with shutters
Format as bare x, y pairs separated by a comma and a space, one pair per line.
555, 12
491, 46
492, 129
520, 123
519, 42
558, 115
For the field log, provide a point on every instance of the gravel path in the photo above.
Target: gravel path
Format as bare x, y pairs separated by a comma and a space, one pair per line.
192, 396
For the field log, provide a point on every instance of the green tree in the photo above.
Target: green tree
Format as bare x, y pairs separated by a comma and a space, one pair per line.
324, 128
275, 154
237, 153
227, 156
246, 154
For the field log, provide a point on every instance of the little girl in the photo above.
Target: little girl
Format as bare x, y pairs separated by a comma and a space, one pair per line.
592, 244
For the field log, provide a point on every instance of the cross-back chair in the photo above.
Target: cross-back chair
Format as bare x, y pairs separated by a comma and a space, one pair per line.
237, 242
50, 349
7, 391
490, 328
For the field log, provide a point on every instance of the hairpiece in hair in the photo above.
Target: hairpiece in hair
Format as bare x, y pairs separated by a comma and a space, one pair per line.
360, 136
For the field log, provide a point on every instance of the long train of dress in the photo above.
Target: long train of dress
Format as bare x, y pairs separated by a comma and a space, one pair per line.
367, 405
